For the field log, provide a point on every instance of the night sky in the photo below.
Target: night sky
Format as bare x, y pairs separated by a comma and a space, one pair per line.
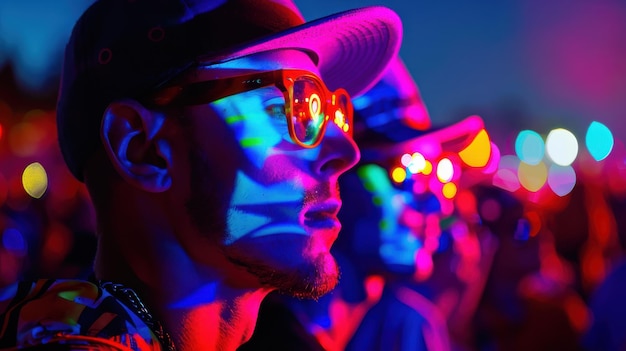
523, 64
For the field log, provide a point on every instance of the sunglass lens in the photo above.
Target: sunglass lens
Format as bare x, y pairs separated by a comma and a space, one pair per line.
307, 111
343, 112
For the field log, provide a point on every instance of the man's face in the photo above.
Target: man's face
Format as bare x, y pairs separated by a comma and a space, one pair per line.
273, 203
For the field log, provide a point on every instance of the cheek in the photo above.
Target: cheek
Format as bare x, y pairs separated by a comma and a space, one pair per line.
253, 130
286, 166
264, 141
260, 208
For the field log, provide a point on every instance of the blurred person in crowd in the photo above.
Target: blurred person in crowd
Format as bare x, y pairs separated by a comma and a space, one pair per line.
210, 136
529, 302
405, 227
433, 262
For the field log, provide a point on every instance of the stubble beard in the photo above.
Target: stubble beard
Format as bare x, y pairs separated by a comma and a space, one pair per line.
312, 279
207, 207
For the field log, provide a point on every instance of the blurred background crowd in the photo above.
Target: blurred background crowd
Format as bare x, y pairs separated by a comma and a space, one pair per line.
528, 245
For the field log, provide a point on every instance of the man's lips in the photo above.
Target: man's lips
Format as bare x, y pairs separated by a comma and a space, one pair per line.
323, 215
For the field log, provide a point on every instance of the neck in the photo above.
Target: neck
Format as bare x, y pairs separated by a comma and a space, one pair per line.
197, 305
223, 324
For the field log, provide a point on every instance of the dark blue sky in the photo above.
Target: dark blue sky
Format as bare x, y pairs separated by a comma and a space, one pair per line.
520, 64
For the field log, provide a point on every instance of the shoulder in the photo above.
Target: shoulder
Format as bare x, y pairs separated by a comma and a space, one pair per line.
52, 312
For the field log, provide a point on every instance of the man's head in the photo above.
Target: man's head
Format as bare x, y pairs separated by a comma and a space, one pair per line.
227, 119
130, 48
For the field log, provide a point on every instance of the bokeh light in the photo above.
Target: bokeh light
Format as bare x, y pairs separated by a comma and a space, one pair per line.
599, 140
35, 180
424, 264
13, 240
466, 203
428, 168
416, 163
24, 139
478, 152
374, 178
398, 175
405, 160
445, 170
529, 147
506, 175
561, 146
532, 177
449, 190
561, 179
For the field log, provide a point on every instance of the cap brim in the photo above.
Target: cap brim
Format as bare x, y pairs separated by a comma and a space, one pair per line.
352, 48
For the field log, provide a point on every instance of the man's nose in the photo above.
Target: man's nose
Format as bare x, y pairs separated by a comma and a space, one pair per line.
339, 152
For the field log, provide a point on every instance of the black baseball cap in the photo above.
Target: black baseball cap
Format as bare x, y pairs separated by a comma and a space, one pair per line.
123, 48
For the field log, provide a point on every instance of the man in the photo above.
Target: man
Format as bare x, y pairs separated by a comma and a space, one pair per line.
210, 135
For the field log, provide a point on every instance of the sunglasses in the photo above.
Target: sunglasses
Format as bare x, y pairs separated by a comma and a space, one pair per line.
309, 105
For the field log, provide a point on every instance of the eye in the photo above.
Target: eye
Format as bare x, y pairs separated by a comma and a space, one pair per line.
275, 108
276, 111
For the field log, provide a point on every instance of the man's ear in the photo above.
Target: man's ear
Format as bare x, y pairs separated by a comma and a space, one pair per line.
132, 138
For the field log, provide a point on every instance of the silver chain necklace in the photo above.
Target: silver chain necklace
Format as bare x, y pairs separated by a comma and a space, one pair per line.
130, 298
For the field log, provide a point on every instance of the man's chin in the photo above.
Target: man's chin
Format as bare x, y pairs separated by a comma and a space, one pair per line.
319, 280
296, 270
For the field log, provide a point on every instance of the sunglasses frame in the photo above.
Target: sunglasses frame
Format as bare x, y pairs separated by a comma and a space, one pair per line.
204, 92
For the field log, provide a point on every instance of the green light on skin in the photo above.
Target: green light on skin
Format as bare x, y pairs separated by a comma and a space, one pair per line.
234, 119
250, 142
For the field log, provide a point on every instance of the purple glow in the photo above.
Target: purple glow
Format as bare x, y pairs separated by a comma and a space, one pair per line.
578, 56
